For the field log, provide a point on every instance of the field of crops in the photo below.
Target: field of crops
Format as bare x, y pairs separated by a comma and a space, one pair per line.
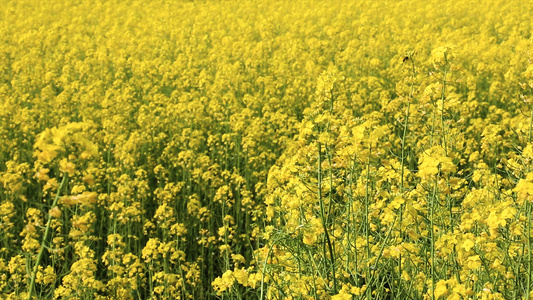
302, 149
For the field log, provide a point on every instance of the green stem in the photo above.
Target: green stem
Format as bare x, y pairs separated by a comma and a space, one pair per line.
404, 135
530, 125
380, 254
351, 225
367, 224
528, 288
528, 205
262, 290
324, 223
405, 125
443, 97
330, 204
431, 222
43, 246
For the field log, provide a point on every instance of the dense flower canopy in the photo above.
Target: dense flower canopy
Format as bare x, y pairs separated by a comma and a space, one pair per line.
301, 149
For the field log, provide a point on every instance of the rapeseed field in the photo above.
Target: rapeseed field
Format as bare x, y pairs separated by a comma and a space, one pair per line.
302, 149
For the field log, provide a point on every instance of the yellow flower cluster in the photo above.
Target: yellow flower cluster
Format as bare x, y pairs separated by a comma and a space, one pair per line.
304, 149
